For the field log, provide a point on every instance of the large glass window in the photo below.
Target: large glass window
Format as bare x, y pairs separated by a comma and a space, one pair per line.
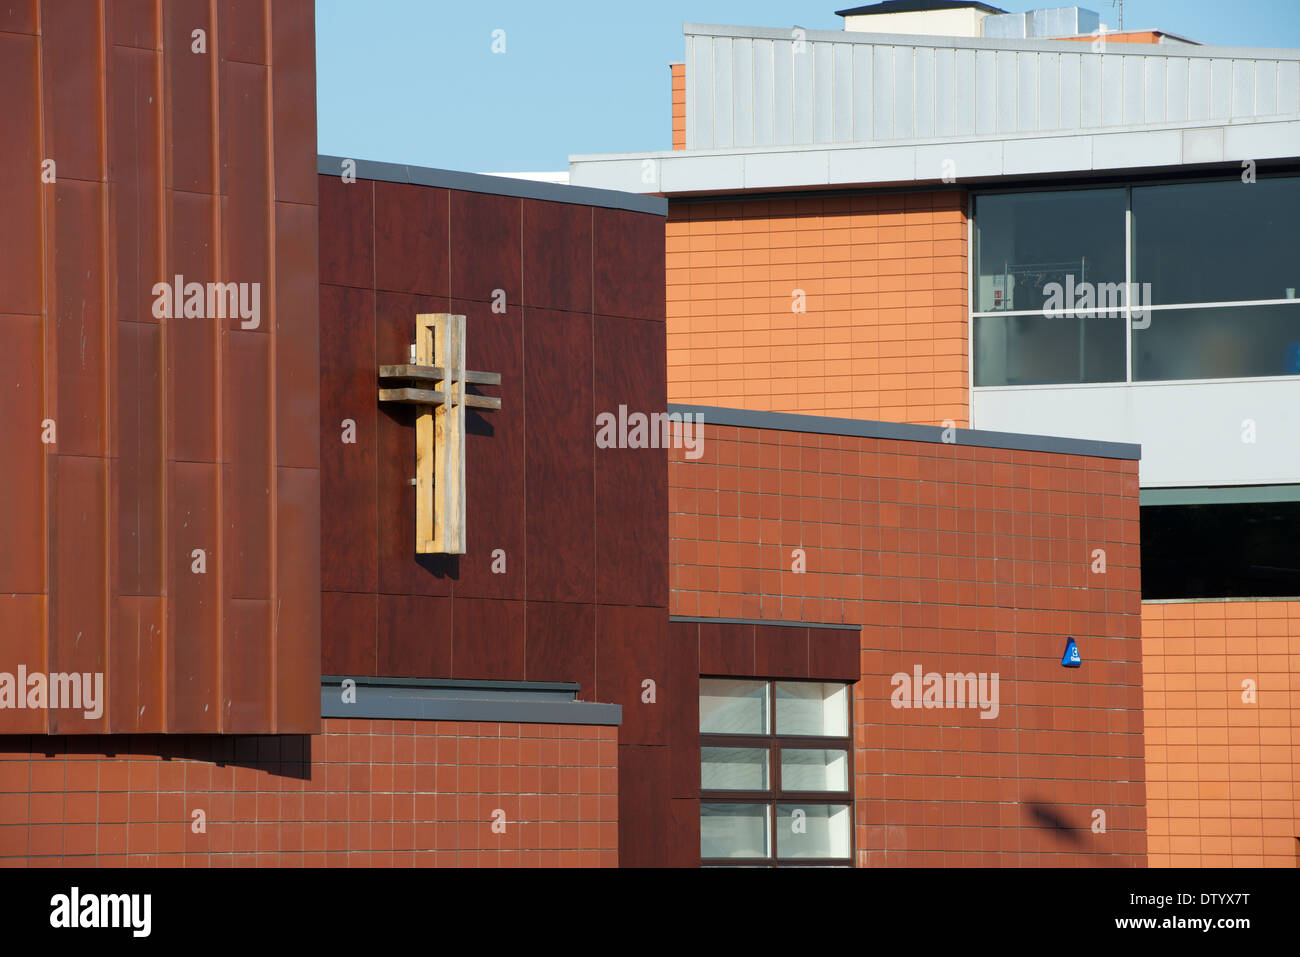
1211, 288
775, 772
1218, 242
1221, 550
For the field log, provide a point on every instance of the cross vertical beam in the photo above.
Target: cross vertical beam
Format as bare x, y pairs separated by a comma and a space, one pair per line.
435, 381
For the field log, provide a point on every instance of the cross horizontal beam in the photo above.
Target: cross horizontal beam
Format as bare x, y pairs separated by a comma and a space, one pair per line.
410, 396
432, 373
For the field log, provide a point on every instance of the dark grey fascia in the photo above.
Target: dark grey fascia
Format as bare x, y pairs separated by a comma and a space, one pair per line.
865, 428
1219, 495
436, 699
496, 185
691, 619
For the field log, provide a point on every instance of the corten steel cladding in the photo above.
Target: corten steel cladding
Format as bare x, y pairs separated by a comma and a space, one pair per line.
159, 505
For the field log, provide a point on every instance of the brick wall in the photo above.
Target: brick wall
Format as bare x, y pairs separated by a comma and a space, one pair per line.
884, 332
1222, 771
960, 559
364, 792
678, 71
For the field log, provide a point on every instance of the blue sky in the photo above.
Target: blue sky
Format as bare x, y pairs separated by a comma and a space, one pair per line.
416, 81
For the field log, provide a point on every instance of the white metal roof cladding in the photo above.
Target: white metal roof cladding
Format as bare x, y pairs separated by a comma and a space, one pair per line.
749, 87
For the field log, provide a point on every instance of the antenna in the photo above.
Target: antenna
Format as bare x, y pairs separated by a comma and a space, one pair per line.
1119, 4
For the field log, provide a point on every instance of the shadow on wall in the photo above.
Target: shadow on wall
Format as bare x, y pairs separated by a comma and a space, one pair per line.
1047, 816
287, 756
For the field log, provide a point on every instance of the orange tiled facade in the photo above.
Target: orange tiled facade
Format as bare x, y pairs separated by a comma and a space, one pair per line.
1221, 768
957, 559
679, 104
839, 306
363, 793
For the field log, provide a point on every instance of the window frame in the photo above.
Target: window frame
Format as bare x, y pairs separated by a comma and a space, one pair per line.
1128, 184
775, 796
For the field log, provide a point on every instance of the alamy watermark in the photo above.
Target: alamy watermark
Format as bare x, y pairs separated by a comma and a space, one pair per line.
57, 691
1106, 299
951, 690
213, 300
655, 430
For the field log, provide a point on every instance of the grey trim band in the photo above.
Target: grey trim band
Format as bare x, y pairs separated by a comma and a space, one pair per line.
762, 621
496, 185
865, 428
1221, 495
986, 43
433, 699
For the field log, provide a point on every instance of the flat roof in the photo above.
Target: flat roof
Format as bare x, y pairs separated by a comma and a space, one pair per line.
916, 6
496, 185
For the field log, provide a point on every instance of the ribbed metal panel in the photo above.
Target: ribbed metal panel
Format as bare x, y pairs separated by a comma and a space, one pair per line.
748, 88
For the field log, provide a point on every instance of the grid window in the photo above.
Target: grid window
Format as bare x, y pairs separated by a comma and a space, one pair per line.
775, 774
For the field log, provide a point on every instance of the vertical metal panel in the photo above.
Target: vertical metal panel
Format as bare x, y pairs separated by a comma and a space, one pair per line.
1049, 91
1265, 88
1134, 94
702, 81
986, 91
923, 70
1007, 91
742, 92
1090, 95
1198, 88
945, 92
1026, 92
802, 92
1176, 74
689, 76
1112, 90
1288, 86
862, 92
1155, 88
842, 93
764, 111
883, 91
1220, 89
722, 72
904, 84
1071, 65
1243, 87
823, 119
783, 86
965, 100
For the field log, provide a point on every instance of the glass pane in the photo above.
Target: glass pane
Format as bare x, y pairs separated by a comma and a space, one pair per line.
812, 707
814, 769
1035, 350
733, 707
1225, 343
816, 830
1217, 242
734, 830
733, 769
1026, 241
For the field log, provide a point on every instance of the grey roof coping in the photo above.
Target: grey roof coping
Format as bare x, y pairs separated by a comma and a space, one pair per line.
692, 619
435, 699
496, 185
986, 159
987, 43
866, 428
1219, 495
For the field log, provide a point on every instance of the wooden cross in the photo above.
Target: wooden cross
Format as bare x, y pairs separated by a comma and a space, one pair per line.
435, 380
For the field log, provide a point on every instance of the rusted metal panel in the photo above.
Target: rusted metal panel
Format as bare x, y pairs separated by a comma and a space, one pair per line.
171, 524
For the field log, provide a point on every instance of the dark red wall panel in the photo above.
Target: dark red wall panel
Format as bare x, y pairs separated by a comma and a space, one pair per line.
565, 573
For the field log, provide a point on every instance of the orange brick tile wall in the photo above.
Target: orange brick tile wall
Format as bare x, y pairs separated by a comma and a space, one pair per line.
363, 793
678, 71
1221, 770
958, 559
883, 335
